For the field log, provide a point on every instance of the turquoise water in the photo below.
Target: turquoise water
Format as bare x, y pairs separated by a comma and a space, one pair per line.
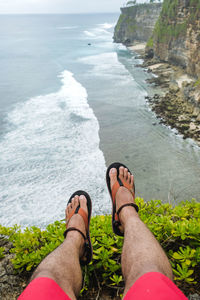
71, 103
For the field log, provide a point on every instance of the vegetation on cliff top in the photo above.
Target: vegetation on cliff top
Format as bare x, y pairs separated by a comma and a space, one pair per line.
169, 26
176, 228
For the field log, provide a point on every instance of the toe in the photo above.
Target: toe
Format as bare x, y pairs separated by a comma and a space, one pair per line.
83, 202
132, 180
76, 201
76, 198
125, 173
72, 206
68, 210
121, 171
73, 202
129, 177
113, 176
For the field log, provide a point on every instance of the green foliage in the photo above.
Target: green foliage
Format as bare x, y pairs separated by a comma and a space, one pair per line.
33, 244
188, 258
131, 28
194, 3
2, 249
197, 83
176, 228
167, 27
150, 42
131, 3
120, 21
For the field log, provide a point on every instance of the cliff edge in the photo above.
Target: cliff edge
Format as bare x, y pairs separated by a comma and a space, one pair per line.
136, 23
176, 36
171, 31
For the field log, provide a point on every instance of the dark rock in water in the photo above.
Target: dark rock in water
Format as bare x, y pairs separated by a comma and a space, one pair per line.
138, 57
177, 113
156, 96
127, 42
149, 54
89, 44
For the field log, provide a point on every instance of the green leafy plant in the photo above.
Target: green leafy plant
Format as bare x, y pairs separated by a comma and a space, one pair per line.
2, 249
197, 83
116, 279
176, 228
150, 42
186, 256
183, 272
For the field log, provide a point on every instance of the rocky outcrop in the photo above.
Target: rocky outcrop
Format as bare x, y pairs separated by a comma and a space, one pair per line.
173, 40
176, 37
136, 23
11, 282
174, 106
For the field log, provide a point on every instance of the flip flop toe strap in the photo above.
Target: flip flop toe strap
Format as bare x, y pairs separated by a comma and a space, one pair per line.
82, 213
115, 188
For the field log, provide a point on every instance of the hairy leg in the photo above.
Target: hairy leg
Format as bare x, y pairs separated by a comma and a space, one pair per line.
63, 264
141, 251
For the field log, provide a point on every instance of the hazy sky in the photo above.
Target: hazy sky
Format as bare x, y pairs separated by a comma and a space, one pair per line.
60, 6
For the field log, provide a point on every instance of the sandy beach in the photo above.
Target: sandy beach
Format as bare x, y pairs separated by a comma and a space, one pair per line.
138, 47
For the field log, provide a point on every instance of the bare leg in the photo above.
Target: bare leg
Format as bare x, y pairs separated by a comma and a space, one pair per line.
62, 265
141, 251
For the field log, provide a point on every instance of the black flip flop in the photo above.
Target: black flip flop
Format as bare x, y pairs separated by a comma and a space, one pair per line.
87, 256
115, 215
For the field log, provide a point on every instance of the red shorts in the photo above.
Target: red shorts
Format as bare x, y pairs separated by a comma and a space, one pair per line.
150, 286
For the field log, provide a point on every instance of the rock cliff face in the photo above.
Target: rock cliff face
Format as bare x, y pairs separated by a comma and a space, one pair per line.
136, 23
176, 37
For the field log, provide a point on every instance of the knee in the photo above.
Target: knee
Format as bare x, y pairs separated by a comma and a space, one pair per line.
42, 273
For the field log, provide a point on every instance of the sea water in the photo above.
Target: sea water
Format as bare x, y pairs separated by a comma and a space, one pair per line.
71, 103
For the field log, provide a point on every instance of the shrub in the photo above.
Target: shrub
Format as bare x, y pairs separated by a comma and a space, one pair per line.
176, 228
150, 42
2, 249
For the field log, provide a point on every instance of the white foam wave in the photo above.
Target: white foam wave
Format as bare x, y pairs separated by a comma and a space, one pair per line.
99, 32
52, 151
107, 25
88, 33
107, 65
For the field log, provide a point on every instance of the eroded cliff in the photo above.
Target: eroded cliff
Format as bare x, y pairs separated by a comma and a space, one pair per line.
136, 23
176, 37
173, 54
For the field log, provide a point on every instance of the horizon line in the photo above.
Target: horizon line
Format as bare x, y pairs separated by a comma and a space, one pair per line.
61, 13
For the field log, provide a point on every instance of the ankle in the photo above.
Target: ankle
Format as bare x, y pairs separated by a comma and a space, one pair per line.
127, 214
123, 197
76, 242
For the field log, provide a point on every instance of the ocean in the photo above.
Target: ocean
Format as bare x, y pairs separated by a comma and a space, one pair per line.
71, 103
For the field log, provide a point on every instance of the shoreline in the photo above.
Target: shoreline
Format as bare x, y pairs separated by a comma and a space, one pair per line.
177, 104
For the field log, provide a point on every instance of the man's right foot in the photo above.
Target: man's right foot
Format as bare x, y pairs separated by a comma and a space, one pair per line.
76, 221
78, 214
123, 195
